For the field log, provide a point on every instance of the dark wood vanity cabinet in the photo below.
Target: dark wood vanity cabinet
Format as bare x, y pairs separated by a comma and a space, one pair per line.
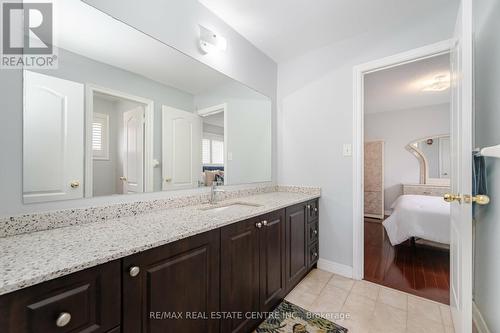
302, 235
218, 281
86, 301
252, 274
173, 288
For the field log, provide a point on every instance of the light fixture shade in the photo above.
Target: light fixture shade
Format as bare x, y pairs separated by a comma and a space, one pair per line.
210, 41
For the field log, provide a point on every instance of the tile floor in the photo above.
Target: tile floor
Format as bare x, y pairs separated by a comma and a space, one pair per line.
372, 308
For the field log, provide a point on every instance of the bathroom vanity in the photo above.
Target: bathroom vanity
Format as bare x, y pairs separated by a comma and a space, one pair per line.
190, 269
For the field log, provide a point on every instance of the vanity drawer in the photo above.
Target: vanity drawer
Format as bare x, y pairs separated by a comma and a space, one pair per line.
312, 211
313, 255
87, 301
312, 232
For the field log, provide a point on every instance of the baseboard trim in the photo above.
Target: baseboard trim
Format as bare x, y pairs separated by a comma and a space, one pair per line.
478, 320
334, 267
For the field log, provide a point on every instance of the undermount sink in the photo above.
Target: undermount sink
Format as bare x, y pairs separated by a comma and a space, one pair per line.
225, 206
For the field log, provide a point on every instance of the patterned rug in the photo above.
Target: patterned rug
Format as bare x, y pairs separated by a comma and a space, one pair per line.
289, 318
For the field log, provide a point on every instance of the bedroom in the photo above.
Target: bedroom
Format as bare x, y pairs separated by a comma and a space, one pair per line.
406, 173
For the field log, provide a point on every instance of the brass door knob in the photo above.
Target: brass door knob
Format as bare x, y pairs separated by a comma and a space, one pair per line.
479, 199
75, 184
448, 197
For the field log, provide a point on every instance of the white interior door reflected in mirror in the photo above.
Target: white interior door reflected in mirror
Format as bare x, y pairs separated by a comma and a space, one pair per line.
181, 142
133, 151
53, 138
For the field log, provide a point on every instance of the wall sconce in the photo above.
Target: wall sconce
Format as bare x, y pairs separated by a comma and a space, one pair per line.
210, 41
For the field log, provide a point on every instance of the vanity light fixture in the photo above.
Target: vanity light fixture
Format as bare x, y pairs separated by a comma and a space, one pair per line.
438, 83
210, 41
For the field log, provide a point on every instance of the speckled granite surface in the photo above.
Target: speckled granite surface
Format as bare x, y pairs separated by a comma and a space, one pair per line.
28, 259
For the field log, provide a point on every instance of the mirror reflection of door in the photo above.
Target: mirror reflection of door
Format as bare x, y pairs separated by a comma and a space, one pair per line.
214, 168
181, 145
118, 145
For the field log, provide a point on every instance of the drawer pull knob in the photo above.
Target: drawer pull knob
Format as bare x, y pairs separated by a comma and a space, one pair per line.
264, 223
258, 225
63, 319
75, 184
308, 207
315, 254
315, 209
315, 232
134, 271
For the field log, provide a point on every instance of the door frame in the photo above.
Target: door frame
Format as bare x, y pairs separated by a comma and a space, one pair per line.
359, 72
214, 110
90, 90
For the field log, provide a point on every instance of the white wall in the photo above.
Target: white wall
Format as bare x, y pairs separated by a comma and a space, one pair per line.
105, 171
487, 108
397, 129
315, 94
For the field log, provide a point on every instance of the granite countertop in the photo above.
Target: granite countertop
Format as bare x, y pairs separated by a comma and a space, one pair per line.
29, 259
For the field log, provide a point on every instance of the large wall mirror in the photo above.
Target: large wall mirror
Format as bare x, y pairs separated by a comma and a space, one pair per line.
124, 113
433, 155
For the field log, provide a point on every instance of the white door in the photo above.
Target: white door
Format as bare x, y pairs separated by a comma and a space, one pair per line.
461, 171
182, 132
133, 151
53, 138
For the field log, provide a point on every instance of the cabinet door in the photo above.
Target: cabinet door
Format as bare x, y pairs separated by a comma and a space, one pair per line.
240, 274
272, 260
86, 301
296, 245
182, 278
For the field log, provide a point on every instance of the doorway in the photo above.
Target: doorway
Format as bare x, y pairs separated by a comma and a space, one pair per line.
119, 143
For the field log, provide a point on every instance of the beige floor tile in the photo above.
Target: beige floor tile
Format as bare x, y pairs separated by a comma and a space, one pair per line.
330, 301
358, 307
365, 288
302, 299
446, 315
388, 319
355, 326
311, 286
341, 282
421, 325
419, 308
319, 275
393, 298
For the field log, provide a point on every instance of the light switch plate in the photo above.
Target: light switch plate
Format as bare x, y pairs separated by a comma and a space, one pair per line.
347, 149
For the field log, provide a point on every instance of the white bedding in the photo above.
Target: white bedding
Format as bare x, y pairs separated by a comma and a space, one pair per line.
419, 216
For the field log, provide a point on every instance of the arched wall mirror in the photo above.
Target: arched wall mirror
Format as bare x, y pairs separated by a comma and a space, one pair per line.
433, 155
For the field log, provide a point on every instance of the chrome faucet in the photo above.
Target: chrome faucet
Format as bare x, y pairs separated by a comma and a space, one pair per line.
214, 192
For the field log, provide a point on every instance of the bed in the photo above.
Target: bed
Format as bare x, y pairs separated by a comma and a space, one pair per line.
419, 216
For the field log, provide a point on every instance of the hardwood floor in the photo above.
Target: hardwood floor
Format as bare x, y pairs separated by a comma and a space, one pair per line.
421, 270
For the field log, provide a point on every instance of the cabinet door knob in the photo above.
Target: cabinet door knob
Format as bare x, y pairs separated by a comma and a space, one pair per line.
63, 319
75, 184
264, 223
258, 225
123, 178
134, 271
315, 232
315, 254
308, 207
315, 209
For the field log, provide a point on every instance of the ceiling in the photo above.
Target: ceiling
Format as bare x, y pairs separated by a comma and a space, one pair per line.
400, 88
286, 29
89, 32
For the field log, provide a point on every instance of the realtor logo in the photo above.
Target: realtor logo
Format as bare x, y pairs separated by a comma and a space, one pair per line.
27, 35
